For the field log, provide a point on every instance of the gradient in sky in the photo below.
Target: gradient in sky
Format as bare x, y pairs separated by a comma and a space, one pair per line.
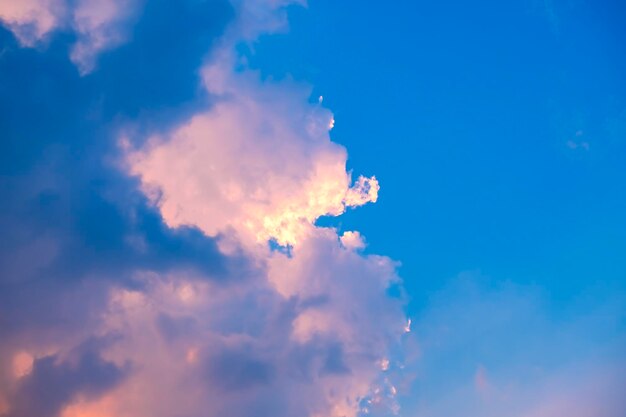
252, 208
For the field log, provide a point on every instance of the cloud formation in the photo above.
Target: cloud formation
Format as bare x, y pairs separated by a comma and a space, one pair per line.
160, 254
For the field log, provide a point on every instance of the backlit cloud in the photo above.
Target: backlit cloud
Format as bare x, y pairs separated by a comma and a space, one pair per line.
178, 268
260, 162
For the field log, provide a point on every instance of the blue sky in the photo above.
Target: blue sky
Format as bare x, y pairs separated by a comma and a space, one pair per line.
187, 227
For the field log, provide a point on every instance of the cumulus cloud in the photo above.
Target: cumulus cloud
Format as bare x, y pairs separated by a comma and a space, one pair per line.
260, 162
259, 166
195, 281
241, 349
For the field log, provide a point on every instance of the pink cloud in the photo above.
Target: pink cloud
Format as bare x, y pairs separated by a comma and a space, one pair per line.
302, 331
259, 163
481, 382
98, 24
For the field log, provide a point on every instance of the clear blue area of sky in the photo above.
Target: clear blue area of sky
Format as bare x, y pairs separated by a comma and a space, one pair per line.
497, 130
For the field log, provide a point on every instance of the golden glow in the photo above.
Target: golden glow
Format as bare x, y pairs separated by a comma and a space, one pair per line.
22, 364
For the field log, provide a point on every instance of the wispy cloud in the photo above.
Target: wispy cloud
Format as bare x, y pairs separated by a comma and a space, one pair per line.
99, 25
501, 350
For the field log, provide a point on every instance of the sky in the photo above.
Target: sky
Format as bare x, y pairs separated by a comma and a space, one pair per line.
289, 208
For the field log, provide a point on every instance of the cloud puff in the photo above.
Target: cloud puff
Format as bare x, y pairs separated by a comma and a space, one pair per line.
99, 25
31, 20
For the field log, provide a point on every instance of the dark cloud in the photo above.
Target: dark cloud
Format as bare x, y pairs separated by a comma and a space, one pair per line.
173, 328
158, 70
72, 224
67, 210
238, 370
53, 382
154, 74
334, 362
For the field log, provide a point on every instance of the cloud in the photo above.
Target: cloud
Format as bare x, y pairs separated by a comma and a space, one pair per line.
481, 381
182, 272
201, 345
31, 20
256, 17
98, 25
352, 240
583, 391
578, 145
259, 162
54, 381
72, 226
259, 166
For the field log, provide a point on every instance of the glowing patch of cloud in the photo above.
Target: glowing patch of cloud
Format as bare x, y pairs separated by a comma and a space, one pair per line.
260, 163
352, 240
22, 364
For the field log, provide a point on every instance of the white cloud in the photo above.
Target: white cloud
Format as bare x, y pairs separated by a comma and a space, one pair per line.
352, 240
